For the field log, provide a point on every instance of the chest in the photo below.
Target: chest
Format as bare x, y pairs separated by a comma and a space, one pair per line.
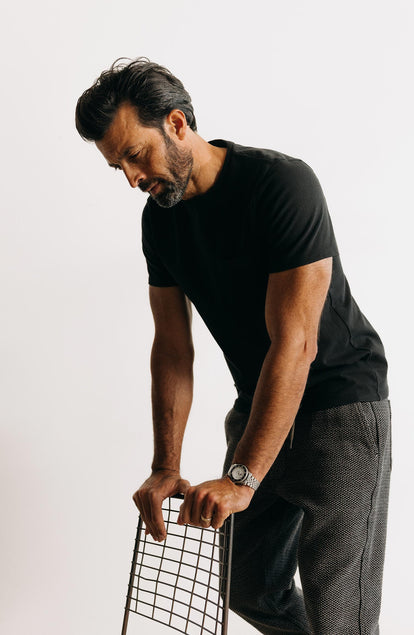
214, 253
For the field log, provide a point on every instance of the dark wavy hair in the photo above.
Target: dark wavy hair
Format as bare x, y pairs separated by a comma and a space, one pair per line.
153, 89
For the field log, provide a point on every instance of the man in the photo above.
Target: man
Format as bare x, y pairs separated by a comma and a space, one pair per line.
245, 235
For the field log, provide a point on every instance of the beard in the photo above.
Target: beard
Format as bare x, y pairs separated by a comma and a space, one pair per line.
180, 165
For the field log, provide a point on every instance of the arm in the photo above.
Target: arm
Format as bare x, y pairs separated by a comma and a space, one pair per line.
294, 303
172, 358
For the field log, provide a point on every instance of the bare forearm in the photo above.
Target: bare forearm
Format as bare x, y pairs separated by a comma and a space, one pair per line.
172, 393
276, 401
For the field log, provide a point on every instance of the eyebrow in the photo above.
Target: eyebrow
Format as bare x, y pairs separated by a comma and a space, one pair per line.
124, 154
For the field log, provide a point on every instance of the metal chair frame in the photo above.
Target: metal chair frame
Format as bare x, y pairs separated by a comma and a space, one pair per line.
183, 582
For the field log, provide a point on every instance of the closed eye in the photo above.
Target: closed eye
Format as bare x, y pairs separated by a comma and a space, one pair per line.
132, 157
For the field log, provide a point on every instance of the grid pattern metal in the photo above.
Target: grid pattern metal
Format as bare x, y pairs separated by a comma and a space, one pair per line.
184, 581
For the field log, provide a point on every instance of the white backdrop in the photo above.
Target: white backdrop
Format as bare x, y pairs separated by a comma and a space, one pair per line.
329, 82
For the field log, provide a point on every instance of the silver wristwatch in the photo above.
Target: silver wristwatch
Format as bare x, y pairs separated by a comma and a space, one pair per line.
240, 475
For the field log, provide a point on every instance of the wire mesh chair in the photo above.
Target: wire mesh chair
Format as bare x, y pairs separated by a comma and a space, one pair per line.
183, 582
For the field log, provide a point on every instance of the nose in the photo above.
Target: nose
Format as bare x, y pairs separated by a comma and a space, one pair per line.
133, 174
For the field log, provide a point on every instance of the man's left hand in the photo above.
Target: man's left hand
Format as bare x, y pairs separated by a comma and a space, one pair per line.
210, 503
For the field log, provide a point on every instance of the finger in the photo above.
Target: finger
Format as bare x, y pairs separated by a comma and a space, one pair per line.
200, 508
151, 506
196, 507
156, 520
207, 512
140, 506
135, 498
183, 486
140, 510
144, 510
221, 512
184, 517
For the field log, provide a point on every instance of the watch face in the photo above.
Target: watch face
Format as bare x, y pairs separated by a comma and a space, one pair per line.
238, 472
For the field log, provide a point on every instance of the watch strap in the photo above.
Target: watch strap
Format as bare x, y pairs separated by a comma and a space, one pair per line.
248, 478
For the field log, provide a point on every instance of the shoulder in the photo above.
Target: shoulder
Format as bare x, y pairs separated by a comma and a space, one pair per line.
275, 172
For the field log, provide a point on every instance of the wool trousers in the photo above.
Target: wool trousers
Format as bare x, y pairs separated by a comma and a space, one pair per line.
322, 507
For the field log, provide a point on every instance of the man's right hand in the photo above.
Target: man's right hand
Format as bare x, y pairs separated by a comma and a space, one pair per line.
149, 497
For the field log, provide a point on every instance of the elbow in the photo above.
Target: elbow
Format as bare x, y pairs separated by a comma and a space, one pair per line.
310, 350
179, 353
299, 346
307, 349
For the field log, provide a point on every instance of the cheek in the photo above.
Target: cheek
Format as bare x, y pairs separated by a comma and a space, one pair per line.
159, 168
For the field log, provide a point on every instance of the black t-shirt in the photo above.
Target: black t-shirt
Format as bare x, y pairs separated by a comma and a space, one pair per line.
265, 213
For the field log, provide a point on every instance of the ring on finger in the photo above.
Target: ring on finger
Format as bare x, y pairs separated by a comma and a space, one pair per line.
204, 519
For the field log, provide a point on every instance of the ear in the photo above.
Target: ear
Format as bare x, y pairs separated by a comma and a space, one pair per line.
176, 124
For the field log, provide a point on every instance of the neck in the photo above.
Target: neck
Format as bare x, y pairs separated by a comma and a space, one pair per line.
208, 163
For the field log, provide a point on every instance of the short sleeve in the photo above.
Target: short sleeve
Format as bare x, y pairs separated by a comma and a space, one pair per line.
296, 222
158, 275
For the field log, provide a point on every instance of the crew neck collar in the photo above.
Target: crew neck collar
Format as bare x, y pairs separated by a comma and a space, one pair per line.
217, 186
218, 183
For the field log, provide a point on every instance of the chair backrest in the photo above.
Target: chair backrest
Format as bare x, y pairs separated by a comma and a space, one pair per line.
184, 581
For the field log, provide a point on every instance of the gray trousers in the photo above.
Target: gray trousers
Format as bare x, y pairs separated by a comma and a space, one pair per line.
322, 506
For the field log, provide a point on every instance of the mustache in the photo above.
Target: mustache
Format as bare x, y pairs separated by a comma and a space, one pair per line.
146, 185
